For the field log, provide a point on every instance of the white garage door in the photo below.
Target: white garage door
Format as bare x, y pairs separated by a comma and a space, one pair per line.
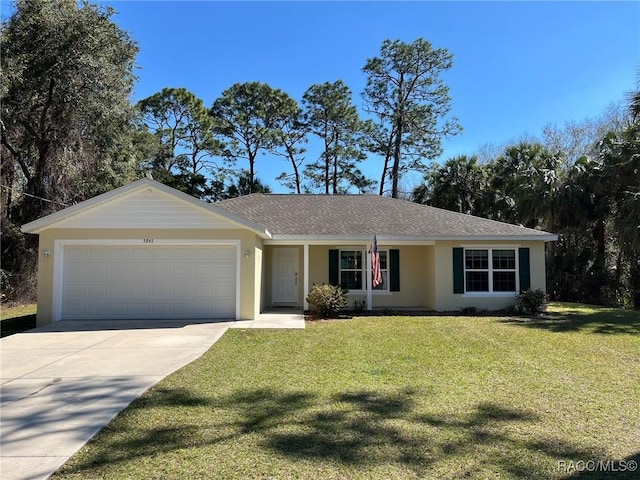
148, 282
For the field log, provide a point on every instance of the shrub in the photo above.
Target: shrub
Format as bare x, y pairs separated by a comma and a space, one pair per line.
359, 305
530, 302
6, 289
326, 300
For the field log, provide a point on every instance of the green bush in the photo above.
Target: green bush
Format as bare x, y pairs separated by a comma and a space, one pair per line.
326, 300
6, 289
359, 305
530, 302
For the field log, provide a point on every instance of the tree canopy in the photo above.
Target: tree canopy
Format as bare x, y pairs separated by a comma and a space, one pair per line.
330, 114
66, 121
592, 202
406, 93
247, 117
67, 77
185, 143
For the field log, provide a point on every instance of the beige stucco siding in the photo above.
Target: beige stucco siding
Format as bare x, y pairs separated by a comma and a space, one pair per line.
430, 275
319, 264
257, 275
446, 300
250, 267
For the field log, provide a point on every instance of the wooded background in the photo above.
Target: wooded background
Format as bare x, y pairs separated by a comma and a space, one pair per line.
69, 131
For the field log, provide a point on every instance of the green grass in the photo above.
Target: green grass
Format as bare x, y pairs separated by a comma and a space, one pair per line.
388, 397
17, 319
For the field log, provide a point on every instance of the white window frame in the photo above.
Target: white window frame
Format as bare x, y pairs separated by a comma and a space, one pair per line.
362, 270
490, 270
363, 251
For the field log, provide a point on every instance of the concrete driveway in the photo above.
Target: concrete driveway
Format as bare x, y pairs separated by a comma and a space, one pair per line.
62, 383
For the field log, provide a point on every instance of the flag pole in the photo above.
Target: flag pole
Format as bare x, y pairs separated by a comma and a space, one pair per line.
369, 275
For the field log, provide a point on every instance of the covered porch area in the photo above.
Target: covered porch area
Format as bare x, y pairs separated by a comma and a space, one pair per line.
408, 270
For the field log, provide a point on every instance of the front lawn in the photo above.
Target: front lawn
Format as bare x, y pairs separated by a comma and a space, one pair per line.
392, 398
17, 319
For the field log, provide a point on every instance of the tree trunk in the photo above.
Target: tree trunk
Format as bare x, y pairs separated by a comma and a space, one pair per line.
396, 159
296, 175
397, 147
327, 164
252, 161
599, 236
384, 174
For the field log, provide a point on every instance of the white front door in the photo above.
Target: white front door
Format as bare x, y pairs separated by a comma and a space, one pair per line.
285, 275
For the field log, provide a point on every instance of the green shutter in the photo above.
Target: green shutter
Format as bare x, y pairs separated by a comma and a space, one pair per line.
525, 269
334, 264
394, 270
458, 270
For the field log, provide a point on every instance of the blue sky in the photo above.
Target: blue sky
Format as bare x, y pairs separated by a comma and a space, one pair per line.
517, 65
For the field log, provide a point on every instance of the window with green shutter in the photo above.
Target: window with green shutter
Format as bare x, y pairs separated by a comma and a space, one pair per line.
458, 270
348, 267
394, 270
525, 269
334, 267
490, 270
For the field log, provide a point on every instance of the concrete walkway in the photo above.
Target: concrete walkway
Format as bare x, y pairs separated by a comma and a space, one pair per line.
62, 383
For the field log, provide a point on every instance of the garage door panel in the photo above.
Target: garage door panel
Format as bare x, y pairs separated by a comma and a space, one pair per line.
115, 253
96, 272
203, 272
160, 254
137, 290
204, 290
183, 271
119, 269
160, 292
78, 272
141, 254
224, 290
96, 290
141, 272
120, 310
74, 308
137, 282
144, 310
159, 271
118, 290
222, 273
94, 309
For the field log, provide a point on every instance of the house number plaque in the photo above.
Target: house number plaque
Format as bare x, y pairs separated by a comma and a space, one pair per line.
147, 240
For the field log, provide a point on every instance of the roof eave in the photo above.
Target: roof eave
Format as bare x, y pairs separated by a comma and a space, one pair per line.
546, 237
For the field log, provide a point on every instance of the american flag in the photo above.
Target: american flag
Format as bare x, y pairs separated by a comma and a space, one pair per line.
375, 263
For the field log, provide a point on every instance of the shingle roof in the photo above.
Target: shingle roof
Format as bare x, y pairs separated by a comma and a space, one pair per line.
353, 215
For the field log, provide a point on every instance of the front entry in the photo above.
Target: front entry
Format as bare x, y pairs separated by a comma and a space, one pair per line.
285, 275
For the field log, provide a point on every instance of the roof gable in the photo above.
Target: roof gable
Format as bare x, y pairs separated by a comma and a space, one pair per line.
142, 204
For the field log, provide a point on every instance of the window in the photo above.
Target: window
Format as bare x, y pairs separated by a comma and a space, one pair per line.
504, 270
353, 268
490, 270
